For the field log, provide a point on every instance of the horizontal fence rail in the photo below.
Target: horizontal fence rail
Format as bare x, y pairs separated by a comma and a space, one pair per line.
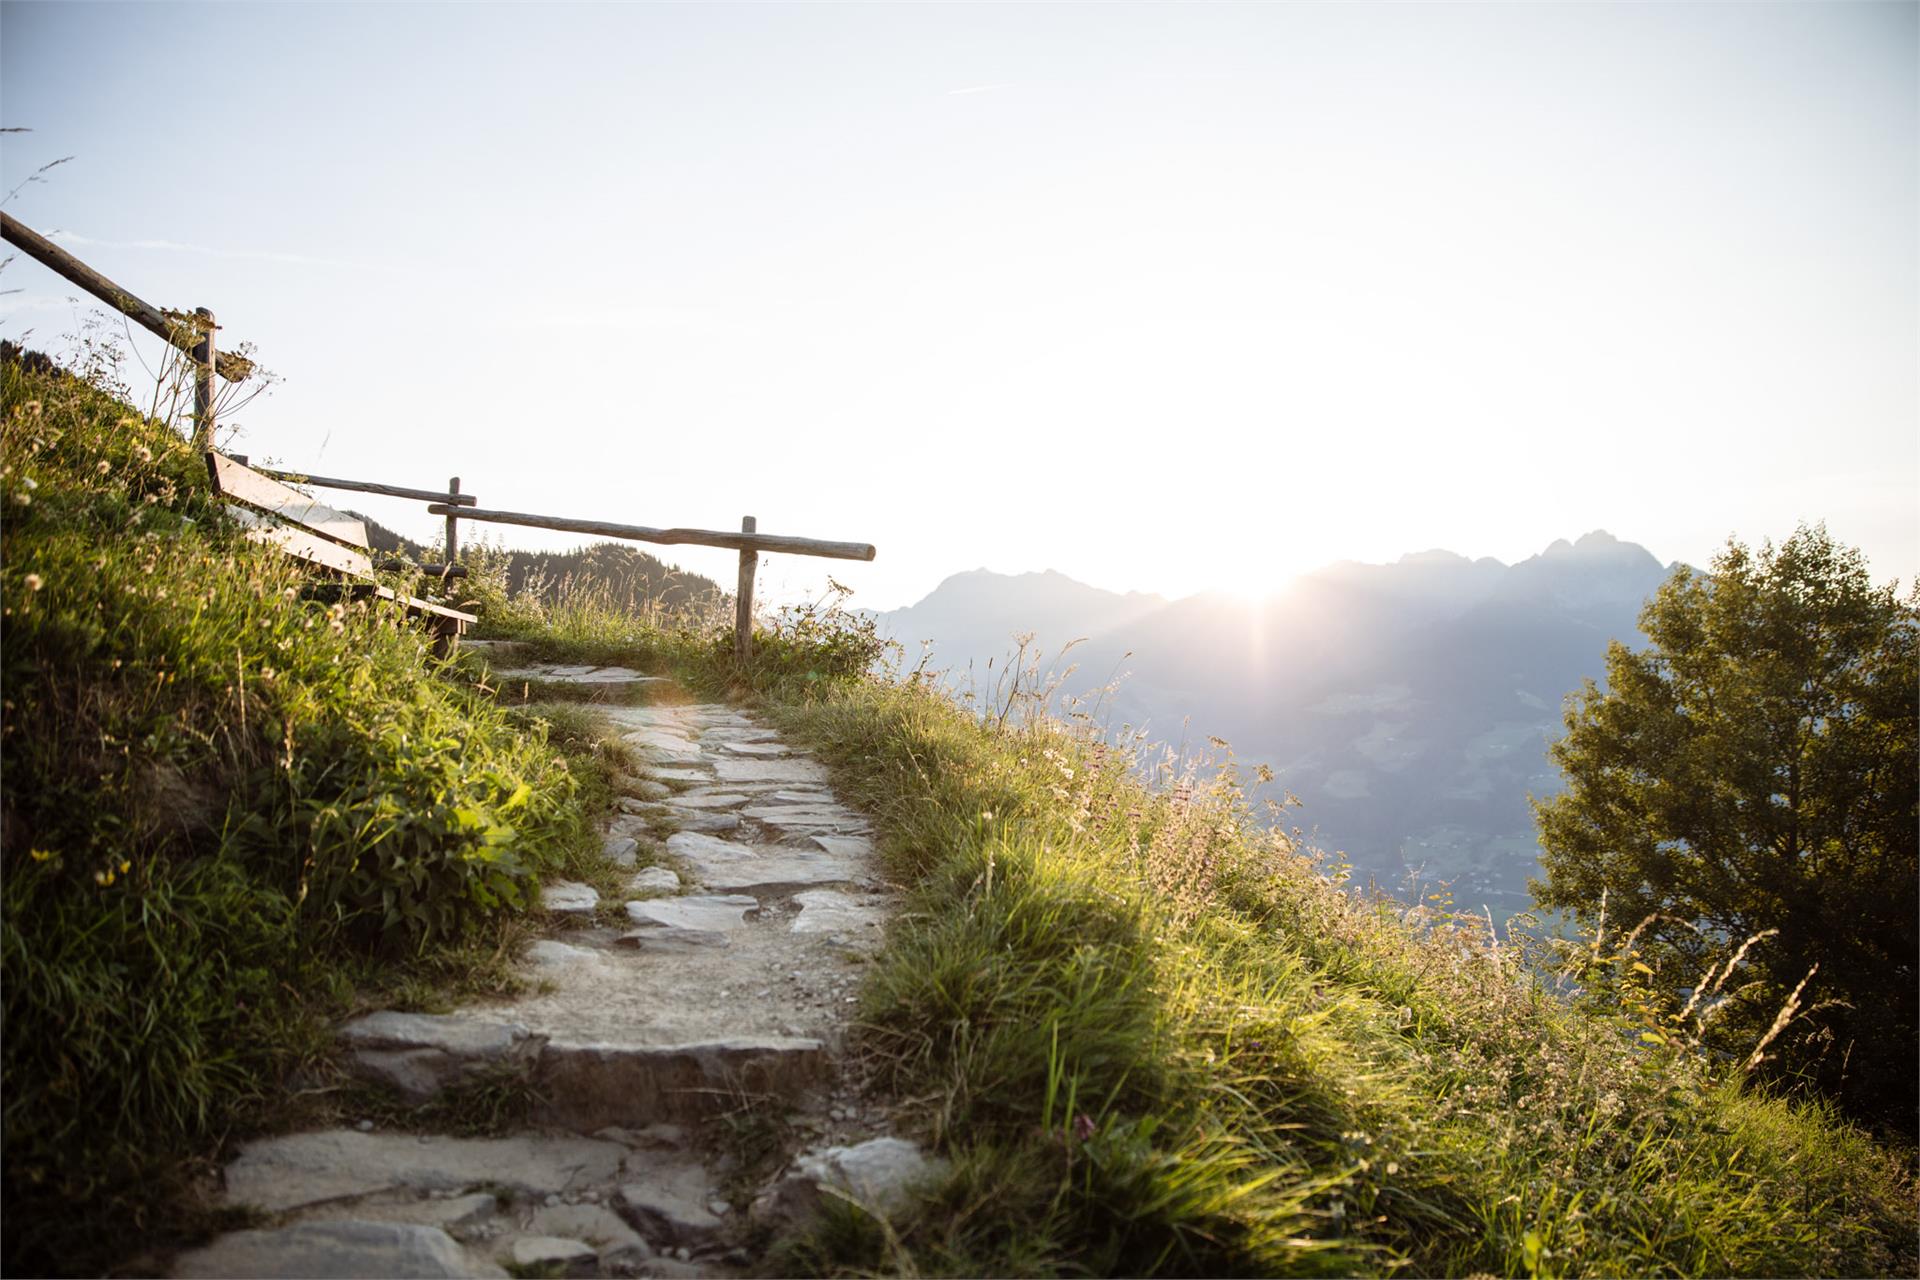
181, 329
368, 486
194, 333
743, 541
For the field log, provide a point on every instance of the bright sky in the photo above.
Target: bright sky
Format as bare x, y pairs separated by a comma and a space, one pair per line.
1167, 297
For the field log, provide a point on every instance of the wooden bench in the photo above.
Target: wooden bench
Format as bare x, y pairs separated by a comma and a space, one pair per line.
331, 541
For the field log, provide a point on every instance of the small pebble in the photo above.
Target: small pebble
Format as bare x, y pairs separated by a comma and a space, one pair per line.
683, 1253
591, 1197
553, 1202
718, 1208
365, 1126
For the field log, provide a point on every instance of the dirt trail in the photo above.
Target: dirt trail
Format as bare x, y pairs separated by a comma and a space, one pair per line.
684, 1040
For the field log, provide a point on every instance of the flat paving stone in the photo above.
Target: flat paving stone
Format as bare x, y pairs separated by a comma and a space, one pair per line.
756, 749
655, 880
807, 817
681, 775
697, 920
708, 820
769, 770
849, 847
667, 747
550, 953
710, 800
575, 674
332, 1251
277, 1174
725, 864
830, 911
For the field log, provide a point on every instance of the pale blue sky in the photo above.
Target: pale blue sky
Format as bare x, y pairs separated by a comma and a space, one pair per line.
1165, 297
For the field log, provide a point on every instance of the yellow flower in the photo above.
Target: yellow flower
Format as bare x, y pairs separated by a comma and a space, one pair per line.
103, 878
41, 855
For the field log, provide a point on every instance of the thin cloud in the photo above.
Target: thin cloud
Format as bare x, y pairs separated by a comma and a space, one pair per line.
175, 246
980, 88
675, 319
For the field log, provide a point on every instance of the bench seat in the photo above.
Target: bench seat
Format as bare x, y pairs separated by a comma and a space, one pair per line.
328, 540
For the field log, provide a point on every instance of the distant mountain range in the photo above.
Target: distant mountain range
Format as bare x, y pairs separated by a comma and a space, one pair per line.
1408, 705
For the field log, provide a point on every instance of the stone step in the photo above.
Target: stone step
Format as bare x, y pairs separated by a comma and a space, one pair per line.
358, 1204
418, 1055
350, 1248
299, 1170
591, 1086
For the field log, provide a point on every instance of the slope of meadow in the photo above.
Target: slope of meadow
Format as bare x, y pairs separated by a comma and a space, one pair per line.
226, 805
1151, 1032
1157, 1036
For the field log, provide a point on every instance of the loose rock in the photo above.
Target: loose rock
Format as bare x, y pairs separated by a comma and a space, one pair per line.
569, 897
545, 1253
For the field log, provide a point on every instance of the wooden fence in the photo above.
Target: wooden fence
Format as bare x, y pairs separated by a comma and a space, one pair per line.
193, 332
190, 331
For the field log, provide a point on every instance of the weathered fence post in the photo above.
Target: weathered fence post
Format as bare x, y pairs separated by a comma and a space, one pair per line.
204, 358
743, 598
453, 521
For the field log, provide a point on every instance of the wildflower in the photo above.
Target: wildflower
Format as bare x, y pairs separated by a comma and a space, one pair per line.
103, 878
103, 466
33, 582
143, 453
41, 855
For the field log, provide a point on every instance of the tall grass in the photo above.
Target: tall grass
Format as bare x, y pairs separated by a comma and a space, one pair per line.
1155, 1034
225, 802
1159, 1037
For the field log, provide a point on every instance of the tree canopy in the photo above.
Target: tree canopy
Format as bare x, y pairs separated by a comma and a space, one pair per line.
1754, 768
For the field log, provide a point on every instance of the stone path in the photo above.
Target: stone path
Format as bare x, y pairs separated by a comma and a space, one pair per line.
714, 997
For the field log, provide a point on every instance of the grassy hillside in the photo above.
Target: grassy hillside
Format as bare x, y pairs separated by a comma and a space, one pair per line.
1156, 1035
226, 805
1151, 1032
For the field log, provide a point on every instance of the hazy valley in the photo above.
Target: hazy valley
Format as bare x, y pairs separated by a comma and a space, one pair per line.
1407, 705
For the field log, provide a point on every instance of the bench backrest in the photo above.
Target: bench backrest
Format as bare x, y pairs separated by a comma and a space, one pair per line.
290, 520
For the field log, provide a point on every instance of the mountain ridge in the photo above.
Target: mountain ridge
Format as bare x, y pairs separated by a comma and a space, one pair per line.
1409, 704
